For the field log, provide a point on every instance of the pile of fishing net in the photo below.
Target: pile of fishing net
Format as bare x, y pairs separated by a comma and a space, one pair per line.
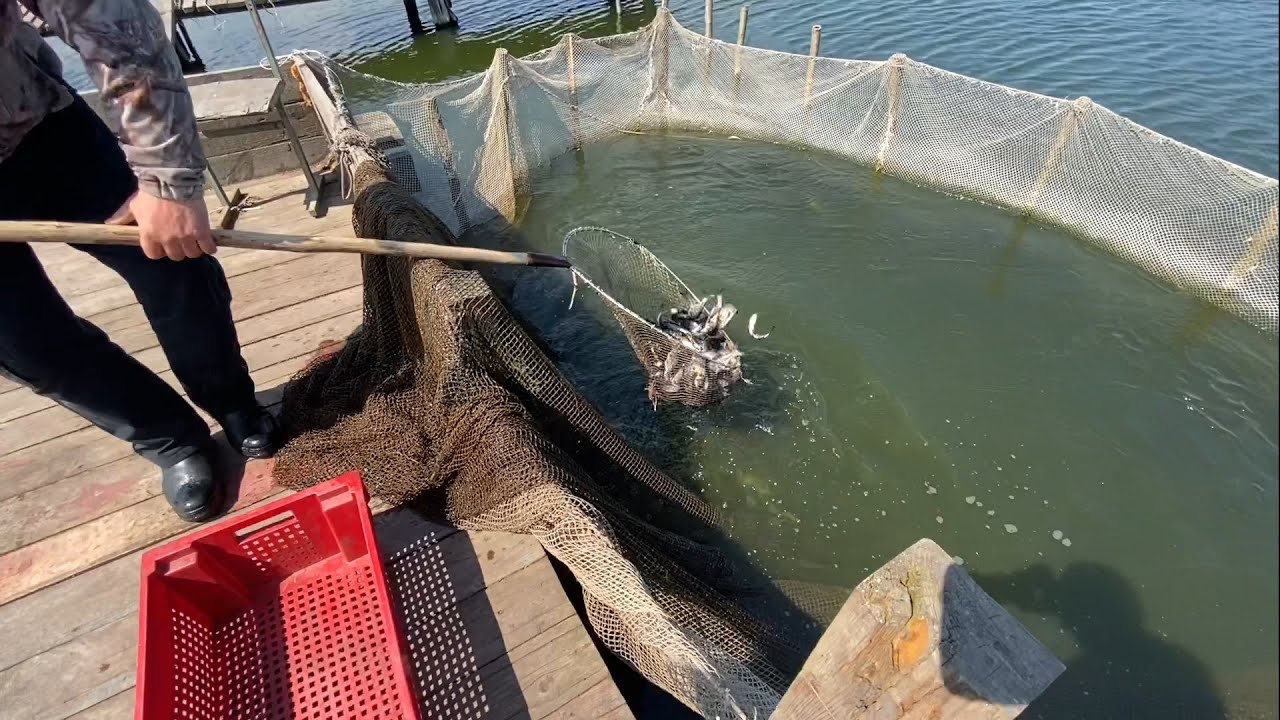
443, 400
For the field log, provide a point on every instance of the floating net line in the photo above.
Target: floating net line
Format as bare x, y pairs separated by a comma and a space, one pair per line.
641, 291
467, 148
444, 400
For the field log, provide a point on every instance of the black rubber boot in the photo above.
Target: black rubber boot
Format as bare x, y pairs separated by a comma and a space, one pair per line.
252, 433
192, 489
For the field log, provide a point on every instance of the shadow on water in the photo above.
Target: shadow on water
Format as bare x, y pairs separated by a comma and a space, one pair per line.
1124, 670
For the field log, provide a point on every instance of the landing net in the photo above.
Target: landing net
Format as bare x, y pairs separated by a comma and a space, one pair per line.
442, 397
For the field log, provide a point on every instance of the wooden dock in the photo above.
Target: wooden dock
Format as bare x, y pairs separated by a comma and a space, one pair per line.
485, 610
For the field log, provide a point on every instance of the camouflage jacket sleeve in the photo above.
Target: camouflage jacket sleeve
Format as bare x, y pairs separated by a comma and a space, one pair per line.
128, 55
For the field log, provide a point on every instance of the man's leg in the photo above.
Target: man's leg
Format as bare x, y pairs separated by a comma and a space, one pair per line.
45, 346
189, 306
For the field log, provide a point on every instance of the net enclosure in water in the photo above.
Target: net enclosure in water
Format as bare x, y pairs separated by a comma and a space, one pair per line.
443, 397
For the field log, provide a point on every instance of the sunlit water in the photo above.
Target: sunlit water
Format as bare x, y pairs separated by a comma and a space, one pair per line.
1099, 450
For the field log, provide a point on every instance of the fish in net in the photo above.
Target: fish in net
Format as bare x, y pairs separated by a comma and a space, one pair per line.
678, 337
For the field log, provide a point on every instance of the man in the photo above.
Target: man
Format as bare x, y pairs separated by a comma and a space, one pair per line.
58, 161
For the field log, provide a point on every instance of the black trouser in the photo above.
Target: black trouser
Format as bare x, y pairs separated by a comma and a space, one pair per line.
70, 167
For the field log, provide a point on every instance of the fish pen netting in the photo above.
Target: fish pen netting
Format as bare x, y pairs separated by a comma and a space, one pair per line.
443, 395
442, 400
466, 149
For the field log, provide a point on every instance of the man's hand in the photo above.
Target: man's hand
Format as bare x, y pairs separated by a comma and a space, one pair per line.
176, 229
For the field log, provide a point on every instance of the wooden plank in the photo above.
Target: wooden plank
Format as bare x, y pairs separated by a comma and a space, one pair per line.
60, 682
263, 290
602, 701
269, 160
117, 707
538, 676
58, 505
920, 639
68, 610
235, 98
255, 132
66, 554
54, 421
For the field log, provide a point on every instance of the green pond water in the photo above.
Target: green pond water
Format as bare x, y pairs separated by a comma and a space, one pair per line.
1099, 449
937, 367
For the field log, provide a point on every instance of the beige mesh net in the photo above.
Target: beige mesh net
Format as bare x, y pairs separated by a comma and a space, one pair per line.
678, 337
443, 398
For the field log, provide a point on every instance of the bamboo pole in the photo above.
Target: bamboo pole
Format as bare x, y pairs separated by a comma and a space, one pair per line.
91, 234
815, 44
1079, 109
574, 124
709, 18
743, 12
1255, 248
891, 116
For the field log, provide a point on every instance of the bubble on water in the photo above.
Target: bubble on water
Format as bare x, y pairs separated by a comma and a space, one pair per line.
1057, 534
971, 499
1011, 455
725, 505
957, 560
999, 468
930, 490
1066, 542
883, 513
1010, 497
1010, 528
939, 519
979, 503
948, 422
991, 512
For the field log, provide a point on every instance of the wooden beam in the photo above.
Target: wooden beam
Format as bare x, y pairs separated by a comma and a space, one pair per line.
920, 639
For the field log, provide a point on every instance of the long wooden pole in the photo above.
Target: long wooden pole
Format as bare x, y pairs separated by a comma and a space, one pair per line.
88, 234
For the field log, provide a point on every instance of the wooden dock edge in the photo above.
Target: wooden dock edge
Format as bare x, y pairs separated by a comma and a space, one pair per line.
920, 639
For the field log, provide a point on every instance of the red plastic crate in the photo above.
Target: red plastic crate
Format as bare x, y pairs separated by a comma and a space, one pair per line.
278, 613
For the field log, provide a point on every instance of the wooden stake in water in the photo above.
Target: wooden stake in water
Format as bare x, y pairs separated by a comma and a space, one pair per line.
893, 83
815, 44
709, 16
742, 39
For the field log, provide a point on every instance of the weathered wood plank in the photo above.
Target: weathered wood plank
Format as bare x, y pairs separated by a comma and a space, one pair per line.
268, 160
117, 707
53, 421
68, 610
223, 137
57, 505
73, 676
538, 676
263, 290
61, 556
602, 701
920, 639
230, 99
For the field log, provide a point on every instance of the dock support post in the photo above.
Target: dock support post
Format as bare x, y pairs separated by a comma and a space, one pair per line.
415, 21
441, 13
919, 638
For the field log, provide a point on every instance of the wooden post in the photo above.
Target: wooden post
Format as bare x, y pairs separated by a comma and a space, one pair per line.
894, 82
920, 639
1075, 115
415, 22
441, 13
575, 129
1255, 248
815, 45
742, 39
709, 17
